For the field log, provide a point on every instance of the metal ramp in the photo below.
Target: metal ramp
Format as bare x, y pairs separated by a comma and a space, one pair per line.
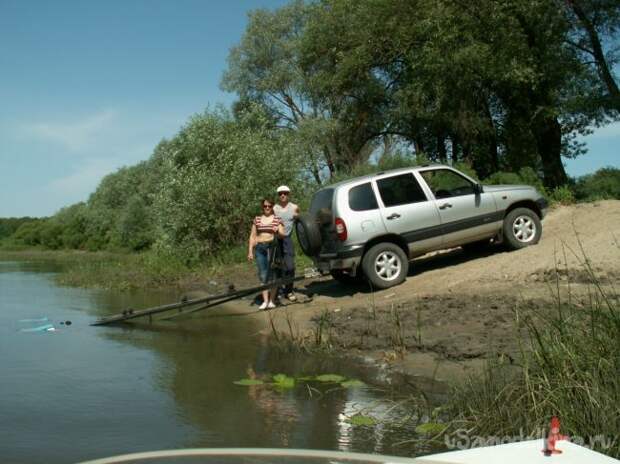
186, 306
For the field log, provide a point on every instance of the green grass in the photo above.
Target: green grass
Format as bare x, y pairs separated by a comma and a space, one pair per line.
123, 271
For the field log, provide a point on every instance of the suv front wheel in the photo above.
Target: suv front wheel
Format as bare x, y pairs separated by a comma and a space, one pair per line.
385, 265
522, 228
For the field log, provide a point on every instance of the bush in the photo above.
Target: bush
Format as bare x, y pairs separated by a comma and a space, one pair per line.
562, 195
217, 169
501, 177
604, 184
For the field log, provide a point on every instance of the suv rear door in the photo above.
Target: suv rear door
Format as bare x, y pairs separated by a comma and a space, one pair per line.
407, 211
466, 214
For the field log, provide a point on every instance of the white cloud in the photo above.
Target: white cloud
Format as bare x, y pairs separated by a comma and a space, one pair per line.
83, 179
77, 135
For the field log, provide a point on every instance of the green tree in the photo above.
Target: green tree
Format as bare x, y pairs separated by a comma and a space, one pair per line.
216, 171
267, 67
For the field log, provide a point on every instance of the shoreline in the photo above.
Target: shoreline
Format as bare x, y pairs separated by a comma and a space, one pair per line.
455, 312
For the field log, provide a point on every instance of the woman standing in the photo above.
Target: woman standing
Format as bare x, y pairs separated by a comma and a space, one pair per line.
262, 244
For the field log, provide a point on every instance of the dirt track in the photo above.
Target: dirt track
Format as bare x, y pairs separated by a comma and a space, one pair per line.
456, 309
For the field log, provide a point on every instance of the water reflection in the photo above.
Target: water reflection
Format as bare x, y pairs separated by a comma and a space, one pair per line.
87, 392
205, 356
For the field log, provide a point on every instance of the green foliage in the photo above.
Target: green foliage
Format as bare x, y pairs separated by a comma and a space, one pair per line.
248, 382
29, 233
503, 178
283, 381
353, 383
562, 195
217, 170
466, 168
8, 226
526, 176
360, 419
330, 378
604, 184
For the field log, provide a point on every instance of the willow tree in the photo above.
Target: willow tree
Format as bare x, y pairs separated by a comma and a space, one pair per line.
267, 67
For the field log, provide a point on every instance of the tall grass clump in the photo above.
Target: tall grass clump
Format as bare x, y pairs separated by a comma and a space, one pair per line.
570, 367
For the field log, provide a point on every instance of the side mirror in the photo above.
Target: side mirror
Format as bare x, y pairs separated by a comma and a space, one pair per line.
478, 189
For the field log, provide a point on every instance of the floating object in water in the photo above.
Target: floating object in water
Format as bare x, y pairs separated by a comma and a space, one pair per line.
41, 319
65, 322
41, 328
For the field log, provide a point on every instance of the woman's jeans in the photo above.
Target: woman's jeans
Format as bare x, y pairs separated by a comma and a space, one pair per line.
264, 258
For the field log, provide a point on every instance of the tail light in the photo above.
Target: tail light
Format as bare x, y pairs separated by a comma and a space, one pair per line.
341, 229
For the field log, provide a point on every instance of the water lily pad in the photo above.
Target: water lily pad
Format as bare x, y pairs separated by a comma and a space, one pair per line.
353, 383
430, 428
360, 419
248, 382
283, 381
330, 378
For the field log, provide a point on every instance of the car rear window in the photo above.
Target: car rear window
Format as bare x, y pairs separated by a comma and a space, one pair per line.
400, 190
362, 198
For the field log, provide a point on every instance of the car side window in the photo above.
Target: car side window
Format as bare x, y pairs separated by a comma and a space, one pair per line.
400, 190
445, 183
362, 198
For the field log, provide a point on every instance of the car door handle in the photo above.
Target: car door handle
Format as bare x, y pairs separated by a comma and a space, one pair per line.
393, 216
445, 205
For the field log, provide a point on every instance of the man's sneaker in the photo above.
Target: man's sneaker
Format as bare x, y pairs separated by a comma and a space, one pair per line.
291, 297
263, 306
271, 305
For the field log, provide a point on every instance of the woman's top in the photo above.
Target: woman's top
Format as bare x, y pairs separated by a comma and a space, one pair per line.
270, 228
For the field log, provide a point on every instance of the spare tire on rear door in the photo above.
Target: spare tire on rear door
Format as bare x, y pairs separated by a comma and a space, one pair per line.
308, 234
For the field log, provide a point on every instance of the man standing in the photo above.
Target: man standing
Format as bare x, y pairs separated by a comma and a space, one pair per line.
287, 212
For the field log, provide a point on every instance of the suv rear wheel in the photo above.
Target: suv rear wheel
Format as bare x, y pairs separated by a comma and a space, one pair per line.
522, 228
385, 265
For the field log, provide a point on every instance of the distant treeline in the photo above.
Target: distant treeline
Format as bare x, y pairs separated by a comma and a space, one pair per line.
331, 89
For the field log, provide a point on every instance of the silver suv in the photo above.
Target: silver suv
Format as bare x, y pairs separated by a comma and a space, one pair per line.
374, 225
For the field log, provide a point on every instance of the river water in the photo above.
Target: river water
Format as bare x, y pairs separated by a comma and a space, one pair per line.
83, 392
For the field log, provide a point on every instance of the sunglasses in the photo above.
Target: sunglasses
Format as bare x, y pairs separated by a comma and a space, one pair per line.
267, 206
283, 193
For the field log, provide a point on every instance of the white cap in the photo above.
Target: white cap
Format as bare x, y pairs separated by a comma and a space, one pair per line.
283, 188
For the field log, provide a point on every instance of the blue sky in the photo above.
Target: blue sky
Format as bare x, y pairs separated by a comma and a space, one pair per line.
87, 87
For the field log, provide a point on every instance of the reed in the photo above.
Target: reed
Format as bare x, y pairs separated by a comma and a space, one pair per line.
570, 368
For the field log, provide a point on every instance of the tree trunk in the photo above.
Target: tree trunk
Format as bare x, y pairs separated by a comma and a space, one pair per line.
548, 134
492, 142
418, 146
454, 155
441, 149
329, 161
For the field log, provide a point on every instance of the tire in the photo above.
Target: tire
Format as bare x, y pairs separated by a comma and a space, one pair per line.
346, 278
308, 235
522, 228
385, 265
